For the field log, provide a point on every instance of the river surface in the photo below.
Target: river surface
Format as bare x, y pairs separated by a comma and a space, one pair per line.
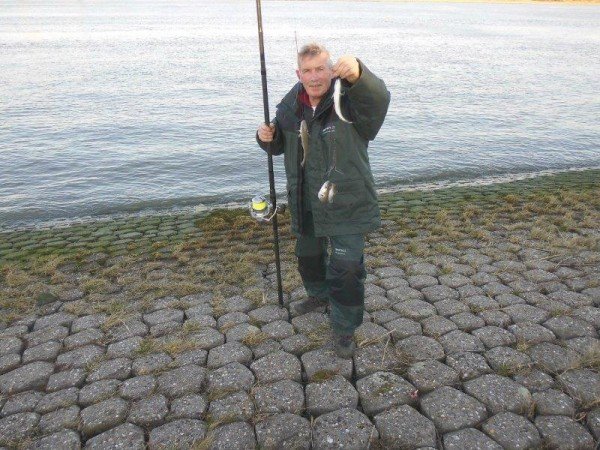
115, 107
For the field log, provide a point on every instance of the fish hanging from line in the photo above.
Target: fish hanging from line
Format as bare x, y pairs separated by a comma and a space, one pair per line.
304, 141
327, 192
337, 94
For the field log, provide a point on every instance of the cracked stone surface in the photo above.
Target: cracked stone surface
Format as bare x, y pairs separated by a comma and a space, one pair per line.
480, 331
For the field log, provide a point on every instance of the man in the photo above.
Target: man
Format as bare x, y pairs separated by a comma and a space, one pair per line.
337, 153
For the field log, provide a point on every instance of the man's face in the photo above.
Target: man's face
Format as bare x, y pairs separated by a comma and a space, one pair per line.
315, 75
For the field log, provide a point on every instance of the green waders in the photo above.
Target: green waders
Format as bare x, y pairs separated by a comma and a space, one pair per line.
339, 278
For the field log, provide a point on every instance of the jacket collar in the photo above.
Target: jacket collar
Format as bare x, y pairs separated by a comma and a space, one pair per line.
297, 98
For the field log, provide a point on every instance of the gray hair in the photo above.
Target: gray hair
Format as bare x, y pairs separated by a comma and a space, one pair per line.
311, 50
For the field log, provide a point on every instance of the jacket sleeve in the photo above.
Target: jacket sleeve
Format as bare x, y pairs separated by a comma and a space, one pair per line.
276, 144
368, 100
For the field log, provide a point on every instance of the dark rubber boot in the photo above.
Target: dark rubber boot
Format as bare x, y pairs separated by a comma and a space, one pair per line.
344, 345
309, 305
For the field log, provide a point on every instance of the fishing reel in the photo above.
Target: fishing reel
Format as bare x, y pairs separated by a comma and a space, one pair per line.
262, 210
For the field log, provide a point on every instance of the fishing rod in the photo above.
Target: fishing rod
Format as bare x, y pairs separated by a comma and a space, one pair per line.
263, 73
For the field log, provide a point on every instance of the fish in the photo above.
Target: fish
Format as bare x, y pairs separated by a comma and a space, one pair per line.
304, 141
337, 94
324, 192
327, 192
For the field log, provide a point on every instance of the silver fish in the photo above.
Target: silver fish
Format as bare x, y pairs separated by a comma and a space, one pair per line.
304, 140
337, 93
324, 192
331, 193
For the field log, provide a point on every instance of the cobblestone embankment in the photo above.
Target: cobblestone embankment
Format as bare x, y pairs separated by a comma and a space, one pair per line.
481, 330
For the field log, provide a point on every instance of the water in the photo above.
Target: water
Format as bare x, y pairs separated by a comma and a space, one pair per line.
116, 107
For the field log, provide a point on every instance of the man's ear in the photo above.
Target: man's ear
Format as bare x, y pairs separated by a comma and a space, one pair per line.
298, 73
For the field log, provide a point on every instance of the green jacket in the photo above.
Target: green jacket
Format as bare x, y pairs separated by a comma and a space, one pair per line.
332, 142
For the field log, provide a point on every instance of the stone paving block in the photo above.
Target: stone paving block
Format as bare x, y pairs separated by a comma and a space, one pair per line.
10, 345
308, 322
467, 321
509, 299
233, 436
207, 338
402, 328
404, 293
451, 410
593, 422
454, 280
526, 313
184, 380
283, 432
324, 361
149, 412
552, 358
404, 427
495, 318
23, 402
32, 376
448, 308
478, 303
84, 337
512, 431
507, 360
188, 407
66, 418
127, 330
535, 380
283, 396
234, 407
469, 439
229, 320
155, 362
296, 344
57, 400
494, 288
14, 331
469, 290
79, 358
277, 366
195, 356
370, 333
17, 427
564, 433
494, 336
119, 369
126, 436
423, 269
583, 385
436, 326
389, 272
230, 378
165, 329
63, 440
182, 433
383, 390
228, 353
278, 329
438, 293
553, 403
267, 314
587, 347
392, 283
567, 327
499, 394
429, 375
572, 299
483, 278
265, 348
419, 348
376, 302
137, 387
589, 314
458, 341
330, 395
54, 320
421, 281
103, 416
203, 309
88, 322
9, 362
345, 428
383, 316
127, 348
97, 392
531, 333
468, 365
415, 309
374, 358
162, 316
